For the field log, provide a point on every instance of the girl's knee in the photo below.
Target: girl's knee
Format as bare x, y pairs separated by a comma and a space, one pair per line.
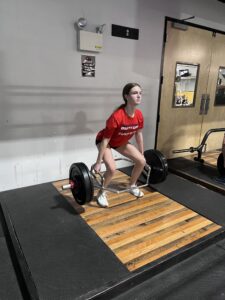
141, 161
111, 170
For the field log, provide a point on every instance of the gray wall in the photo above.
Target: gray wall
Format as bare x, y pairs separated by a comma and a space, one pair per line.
49, 114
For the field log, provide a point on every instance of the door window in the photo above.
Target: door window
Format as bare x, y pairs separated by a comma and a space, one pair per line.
220, 88
185, 84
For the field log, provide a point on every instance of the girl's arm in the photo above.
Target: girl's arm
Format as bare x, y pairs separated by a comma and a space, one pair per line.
102, 147
139, 140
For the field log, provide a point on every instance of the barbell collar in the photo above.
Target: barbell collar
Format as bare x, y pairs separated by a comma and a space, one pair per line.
67, 186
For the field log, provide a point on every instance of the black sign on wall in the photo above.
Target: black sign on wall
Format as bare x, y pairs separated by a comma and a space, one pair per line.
87, 66
125, 32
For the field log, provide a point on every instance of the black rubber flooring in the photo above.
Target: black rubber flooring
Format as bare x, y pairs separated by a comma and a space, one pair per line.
9, 286
1, 229
206, 202
60, 256
197, 172
199, 277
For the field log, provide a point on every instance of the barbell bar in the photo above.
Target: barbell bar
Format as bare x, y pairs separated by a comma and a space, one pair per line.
199, 148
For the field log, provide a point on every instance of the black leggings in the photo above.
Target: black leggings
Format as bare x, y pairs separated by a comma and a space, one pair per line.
98, 142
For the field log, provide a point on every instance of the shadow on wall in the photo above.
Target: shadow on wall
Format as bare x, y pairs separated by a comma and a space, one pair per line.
29, 112
81, 122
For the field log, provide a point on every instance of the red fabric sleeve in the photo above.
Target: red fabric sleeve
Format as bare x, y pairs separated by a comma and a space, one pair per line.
140, 119
111, 125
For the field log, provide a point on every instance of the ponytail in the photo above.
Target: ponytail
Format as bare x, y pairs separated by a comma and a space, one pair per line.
121, 106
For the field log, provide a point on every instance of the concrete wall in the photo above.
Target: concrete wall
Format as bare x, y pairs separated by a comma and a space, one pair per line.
49, 113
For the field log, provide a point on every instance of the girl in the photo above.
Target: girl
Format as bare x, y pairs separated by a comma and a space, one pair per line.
124, 123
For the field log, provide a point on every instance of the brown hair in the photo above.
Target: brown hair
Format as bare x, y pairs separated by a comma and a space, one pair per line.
126, 91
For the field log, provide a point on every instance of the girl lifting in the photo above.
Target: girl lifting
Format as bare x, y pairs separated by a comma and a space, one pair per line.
124, 123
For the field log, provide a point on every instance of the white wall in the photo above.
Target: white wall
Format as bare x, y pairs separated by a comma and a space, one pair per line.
49, 114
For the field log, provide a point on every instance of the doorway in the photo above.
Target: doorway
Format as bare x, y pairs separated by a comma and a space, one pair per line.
193, 76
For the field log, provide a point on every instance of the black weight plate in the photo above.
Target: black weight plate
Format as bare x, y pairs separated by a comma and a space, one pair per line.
220, 164
158, 163
83, 187
88, 182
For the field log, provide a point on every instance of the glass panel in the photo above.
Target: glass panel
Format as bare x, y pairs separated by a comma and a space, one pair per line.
220, 88
186, 76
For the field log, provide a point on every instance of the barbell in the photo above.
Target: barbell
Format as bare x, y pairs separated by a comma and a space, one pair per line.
220, 160
202, 146
82, 181
199, 149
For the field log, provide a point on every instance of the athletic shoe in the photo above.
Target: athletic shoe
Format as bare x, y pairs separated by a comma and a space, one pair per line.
136, 192
102, 199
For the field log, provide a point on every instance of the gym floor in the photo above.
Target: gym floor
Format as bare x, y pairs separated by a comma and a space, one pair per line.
168, 245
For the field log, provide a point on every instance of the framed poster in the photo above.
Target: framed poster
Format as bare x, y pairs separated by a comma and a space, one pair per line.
185, 84
87, 66
220, 88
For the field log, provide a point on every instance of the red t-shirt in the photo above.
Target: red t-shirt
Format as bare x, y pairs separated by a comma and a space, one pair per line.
120, 127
